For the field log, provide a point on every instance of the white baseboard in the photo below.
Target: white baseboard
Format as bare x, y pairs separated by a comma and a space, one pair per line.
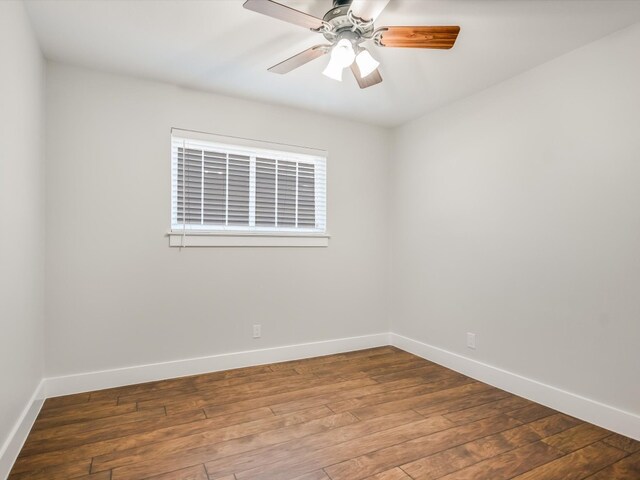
14, 442
85, 382
591, 411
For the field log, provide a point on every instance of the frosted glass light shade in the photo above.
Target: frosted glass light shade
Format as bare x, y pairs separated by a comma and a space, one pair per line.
333, 71
366, 63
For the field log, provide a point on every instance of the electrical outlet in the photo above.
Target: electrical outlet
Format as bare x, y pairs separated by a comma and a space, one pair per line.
471, 340
257, 333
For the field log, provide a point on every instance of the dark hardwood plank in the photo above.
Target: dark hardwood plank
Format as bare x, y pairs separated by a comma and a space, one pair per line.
393, 474
320, 388
554, 424
576, 465
370, 363
55, 402
532, 412
422, 370
277, 453
160, 385
110, 432
68, 435
445, 391
329, 398
359, 467
95, 476
325, 359
228, 386
315, 419
456, 458
81, 415
487, 410
410, 365
381, 371
151, 465
424, 386
191, 473
201, 398
141, 438
576, 437
317, 475
75, 408
626, 469
508, 465
233, 448
308, 460
463, 402
627, 444
65, 470
161, 395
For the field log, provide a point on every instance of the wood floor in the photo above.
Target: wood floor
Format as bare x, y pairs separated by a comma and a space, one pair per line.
378, 414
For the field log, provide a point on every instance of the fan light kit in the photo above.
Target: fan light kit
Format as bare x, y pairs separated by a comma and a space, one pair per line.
347, 25
342, 56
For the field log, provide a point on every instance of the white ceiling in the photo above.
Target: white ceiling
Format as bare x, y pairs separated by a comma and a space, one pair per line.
219, 46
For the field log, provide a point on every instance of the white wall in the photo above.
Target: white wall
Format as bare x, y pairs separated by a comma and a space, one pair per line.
117, 295
517, 218
21, 214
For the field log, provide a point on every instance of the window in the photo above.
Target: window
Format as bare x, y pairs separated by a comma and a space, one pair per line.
222, 188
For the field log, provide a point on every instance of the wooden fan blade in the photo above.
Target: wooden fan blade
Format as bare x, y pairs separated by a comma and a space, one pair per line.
282, 12
300, 59
367, 10
418, 37
370, 80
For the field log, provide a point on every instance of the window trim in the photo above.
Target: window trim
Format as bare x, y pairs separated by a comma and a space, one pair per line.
201, 236
191, 238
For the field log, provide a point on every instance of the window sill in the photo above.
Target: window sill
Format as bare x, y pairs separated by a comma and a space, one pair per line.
215, 239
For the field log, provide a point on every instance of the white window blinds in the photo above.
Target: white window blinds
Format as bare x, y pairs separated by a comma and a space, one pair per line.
220, 187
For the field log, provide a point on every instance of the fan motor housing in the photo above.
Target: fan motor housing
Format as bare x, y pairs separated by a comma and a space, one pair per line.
339, 20
336, 13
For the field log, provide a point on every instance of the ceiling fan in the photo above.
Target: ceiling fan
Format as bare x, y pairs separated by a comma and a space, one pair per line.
347, 25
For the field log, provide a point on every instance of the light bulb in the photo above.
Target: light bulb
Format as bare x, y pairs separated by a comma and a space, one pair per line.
366, 63
342, 56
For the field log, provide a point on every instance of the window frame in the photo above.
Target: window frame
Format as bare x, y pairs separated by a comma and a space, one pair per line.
186, 235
